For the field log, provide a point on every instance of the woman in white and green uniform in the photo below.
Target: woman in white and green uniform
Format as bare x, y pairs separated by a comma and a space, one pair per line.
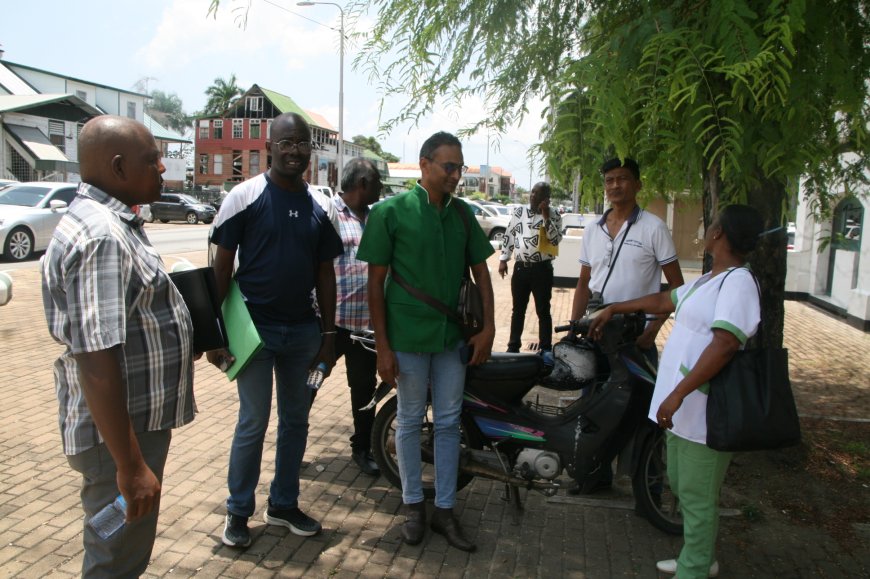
714, 318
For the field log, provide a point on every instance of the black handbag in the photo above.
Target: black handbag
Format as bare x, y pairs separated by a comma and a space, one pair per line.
750, 405
469, 307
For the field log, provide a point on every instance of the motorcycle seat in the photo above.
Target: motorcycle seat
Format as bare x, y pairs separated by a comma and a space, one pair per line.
508, 367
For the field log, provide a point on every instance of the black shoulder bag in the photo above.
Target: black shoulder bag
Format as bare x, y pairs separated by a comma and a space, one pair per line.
750, 405
469, 308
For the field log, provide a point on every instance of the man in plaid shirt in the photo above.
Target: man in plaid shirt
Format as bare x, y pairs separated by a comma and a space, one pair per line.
361, 186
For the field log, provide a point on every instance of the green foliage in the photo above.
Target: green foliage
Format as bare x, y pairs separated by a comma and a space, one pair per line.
222, 94
169, 110
373, 145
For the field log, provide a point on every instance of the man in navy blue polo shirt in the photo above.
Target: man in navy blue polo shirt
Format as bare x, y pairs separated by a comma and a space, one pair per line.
285, 242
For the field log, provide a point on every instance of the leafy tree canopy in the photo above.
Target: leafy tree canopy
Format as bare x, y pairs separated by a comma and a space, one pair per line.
221, 95
373, 145
169, 110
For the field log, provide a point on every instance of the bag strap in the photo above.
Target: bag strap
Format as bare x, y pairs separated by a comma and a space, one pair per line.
758, 335
612, 263
424, 297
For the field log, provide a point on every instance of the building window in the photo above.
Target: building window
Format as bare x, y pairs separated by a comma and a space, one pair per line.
56, 136
255, 129
218, 129
269, 129
238, 128
218, 165
131, 110
203, 164
254, 104
203, 129
254, 163
238, 175
82, 95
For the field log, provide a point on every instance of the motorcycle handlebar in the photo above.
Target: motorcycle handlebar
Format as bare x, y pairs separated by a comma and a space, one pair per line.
581, 326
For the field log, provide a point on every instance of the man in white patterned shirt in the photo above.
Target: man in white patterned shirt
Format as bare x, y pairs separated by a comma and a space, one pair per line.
531, 230
361, 186
126, 377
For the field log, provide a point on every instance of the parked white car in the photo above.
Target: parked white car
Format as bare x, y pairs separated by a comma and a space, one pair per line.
491, 221
29, 212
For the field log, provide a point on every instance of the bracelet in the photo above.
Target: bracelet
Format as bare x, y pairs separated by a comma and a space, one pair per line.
328, 333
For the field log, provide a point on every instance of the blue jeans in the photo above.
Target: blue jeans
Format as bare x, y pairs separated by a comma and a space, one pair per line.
289, 350
446, 374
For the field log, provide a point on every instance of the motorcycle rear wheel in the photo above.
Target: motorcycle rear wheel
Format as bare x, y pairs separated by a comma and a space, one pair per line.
384, 448
652, 490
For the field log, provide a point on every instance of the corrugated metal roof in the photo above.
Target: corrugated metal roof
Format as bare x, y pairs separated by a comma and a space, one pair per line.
47, 157
14, 102
287, 105
13, 83
163, 133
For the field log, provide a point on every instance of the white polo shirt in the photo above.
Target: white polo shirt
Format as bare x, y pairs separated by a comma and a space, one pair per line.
637, 271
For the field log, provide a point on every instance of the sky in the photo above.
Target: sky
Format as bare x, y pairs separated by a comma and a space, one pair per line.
176, 48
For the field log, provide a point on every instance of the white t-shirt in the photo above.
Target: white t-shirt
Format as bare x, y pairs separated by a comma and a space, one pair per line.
700, 308
638, 269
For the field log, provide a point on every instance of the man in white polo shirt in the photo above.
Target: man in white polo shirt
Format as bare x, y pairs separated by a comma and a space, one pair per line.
623, 258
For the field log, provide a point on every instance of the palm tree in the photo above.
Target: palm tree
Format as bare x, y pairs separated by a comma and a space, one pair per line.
221, 95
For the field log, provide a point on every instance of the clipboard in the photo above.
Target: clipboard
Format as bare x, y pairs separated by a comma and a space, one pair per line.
244, 340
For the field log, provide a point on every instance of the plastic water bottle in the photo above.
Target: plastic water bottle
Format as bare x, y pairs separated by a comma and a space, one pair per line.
110, 519
315, 377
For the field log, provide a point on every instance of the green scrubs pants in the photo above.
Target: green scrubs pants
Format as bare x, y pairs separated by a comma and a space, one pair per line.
696, 473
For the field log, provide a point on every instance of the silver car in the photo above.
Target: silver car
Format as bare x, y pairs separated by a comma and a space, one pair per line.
29, 212
491, 221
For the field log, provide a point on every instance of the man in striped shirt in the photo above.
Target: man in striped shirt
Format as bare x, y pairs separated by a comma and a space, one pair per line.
126, 377
361, 186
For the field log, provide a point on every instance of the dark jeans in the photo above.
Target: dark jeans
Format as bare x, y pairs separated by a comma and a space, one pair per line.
534, 279
362, 370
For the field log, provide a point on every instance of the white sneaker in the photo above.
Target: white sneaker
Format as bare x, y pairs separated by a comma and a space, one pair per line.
669, 566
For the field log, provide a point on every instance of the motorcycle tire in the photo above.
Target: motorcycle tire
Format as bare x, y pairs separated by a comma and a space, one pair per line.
384, 448
653, 496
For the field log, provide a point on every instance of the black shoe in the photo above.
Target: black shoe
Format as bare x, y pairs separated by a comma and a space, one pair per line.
415, 523
366, 462
590, 487
298, 522
444, 523
236, 533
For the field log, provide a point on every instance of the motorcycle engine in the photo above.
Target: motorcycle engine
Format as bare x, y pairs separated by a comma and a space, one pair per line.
574, 366
532, 463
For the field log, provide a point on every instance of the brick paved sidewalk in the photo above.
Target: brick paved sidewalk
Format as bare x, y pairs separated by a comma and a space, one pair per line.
40, 519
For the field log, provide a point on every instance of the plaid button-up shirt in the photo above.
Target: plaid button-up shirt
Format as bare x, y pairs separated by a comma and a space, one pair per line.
351, 274
104, 285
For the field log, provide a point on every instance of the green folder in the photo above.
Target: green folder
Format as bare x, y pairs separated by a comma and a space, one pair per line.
244, 340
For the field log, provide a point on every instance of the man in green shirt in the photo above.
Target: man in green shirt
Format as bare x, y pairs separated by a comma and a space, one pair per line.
421, 236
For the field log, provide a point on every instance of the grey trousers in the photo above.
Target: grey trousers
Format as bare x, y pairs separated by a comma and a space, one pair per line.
126, 553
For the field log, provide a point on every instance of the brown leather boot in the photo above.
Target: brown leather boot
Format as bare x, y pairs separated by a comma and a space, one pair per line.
444, 523
415, 523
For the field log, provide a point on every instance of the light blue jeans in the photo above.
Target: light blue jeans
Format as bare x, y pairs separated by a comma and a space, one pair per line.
289, 351
446, 374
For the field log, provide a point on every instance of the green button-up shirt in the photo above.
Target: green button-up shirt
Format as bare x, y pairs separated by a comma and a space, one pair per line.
426, 246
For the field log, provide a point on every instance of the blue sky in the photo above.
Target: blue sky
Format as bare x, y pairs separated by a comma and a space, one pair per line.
290, 49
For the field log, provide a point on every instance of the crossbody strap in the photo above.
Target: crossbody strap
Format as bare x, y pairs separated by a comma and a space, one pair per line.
615, 257
758, 335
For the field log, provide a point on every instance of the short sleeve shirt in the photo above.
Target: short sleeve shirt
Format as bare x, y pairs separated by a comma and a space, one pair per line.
637, 271
104, 286
281, 237
701, 307
427, 247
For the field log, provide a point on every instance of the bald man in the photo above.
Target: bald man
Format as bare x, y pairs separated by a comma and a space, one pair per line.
125, 378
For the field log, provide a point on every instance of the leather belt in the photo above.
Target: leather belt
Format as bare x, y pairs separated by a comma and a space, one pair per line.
519, 264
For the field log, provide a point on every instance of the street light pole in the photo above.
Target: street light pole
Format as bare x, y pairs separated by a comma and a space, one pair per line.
340, 90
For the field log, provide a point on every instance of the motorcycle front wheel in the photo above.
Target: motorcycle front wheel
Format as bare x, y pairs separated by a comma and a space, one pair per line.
384, 448
652, 489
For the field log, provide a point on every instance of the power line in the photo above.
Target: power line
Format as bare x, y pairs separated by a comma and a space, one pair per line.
278, 6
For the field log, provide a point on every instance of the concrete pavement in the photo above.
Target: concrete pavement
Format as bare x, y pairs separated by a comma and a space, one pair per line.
40, 518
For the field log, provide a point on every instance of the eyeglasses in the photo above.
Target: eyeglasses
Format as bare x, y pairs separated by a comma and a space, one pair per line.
286, 146
451, 168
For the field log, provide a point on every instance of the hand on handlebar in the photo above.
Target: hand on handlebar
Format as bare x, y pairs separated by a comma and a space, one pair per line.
598, 321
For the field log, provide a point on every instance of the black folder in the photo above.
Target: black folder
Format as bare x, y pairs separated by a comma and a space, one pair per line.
199, 291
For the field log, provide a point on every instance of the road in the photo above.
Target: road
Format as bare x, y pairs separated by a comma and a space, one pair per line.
168, 238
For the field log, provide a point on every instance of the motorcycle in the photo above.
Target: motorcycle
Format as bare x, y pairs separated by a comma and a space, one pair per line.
528, 444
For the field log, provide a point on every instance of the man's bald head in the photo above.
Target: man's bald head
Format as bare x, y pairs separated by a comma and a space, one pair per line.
119, 156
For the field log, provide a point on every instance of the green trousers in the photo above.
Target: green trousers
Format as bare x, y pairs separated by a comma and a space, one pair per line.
696, 473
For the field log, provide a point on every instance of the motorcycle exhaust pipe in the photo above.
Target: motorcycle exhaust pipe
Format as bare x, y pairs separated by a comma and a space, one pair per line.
477, 469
